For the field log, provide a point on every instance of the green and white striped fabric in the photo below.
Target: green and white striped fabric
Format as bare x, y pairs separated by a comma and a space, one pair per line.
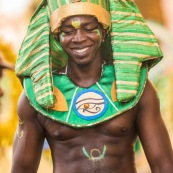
131, 39
40, 53
132, 43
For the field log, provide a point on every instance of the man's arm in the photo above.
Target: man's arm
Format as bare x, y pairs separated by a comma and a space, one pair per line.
153, 134
28, 140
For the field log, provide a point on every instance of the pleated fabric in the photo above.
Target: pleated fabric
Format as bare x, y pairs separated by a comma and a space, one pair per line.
132, 43
40, 53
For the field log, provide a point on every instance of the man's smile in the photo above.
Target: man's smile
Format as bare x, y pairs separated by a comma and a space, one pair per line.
80, 50
82, 44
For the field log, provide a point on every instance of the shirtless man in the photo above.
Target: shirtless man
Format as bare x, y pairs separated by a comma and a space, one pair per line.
106, 147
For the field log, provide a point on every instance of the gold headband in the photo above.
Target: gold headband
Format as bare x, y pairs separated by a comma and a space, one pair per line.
79, 8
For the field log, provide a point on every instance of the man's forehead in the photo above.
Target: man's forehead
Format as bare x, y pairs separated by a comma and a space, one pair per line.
83, 19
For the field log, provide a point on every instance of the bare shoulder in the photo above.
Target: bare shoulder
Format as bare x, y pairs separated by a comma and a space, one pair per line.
150, 95
29, 138
24, 109
149, 108
149, 102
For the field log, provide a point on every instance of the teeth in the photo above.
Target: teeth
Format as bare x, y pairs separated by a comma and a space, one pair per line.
80, 50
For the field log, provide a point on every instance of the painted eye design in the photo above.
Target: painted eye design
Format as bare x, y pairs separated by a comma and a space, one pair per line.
90, 104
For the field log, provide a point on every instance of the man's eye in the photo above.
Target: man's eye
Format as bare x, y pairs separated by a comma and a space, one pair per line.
91, 29
67, 32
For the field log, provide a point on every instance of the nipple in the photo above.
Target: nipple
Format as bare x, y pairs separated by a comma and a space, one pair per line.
124, 130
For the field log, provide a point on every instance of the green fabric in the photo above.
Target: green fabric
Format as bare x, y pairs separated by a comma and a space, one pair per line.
40, 53
105, 82
131, 40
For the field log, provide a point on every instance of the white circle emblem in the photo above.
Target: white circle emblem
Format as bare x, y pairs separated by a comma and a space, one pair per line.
90, 104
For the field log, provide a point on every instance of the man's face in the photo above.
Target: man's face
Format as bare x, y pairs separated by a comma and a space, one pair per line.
81, 38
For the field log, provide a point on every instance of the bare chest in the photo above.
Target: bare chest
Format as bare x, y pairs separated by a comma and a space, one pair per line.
120, 126
101, 148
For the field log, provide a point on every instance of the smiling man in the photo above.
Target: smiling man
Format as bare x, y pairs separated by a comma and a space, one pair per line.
86, 90
81, 38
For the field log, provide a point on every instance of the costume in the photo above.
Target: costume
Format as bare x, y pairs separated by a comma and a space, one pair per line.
129, 41
84, 107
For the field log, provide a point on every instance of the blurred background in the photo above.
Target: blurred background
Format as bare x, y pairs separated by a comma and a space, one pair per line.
14, 19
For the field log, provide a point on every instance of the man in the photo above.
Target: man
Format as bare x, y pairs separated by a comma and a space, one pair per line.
102, 103
4, 65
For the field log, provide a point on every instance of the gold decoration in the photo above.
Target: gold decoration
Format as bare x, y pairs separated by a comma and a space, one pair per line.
20, 121
61, 104
113, 92
76, 24
81, 8
20, 134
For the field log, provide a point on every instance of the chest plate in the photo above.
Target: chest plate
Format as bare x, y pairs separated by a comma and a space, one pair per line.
84, 107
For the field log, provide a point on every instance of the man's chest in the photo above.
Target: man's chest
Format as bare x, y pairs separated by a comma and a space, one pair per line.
121, 126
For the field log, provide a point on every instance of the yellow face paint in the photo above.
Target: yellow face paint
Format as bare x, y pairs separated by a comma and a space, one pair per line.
62, 36
76, 24
99, 34
97, 31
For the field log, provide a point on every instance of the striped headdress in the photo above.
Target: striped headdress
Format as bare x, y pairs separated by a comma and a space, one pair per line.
131, 40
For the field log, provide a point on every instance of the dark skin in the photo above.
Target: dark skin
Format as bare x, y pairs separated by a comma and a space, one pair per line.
118, 134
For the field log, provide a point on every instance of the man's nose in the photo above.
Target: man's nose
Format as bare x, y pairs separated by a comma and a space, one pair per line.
79, 36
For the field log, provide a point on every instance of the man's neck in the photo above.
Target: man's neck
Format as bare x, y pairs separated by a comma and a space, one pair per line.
85, 75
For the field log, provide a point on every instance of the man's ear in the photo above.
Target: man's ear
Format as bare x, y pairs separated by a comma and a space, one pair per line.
104, 32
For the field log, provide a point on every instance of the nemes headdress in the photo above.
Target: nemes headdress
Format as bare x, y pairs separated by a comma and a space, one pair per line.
132, 44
